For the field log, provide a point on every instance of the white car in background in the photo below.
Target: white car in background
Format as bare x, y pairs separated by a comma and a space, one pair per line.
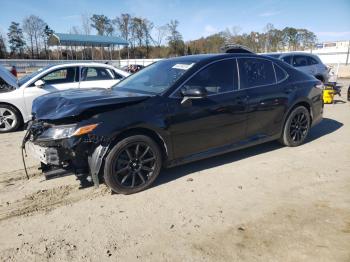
16, 96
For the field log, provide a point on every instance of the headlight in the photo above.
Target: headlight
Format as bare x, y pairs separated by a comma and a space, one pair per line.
65, 131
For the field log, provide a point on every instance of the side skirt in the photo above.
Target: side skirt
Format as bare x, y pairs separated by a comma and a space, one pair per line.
221, 150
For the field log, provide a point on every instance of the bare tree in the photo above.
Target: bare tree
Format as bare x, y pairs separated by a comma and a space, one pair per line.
29, 31
75, 30
160, 34
45, 36
123, 24
268, 30
147, 27
175, 38
34, 26
137, 30
85, 24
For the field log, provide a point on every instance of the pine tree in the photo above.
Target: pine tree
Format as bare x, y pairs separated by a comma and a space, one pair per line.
16, 39
2, 47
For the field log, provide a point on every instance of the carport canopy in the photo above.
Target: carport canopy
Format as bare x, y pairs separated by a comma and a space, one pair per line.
58, 39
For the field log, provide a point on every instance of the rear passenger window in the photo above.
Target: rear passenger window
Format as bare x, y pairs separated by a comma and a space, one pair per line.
114, 74
95, 73
312, 61
280, 73
255, 72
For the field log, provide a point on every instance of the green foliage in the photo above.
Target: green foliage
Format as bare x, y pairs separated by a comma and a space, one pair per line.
102, 24
175, 42
16, 39
2, 47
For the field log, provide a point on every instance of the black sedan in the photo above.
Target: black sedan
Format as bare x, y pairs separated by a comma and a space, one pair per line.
175, 111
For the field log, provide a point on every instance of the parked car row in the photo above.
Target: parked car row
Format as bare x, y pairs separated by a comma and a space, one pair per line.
172, 112
16, 96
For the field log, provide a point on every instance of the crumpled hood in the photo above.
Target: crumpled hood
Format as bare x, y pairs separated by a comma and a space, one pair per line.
73, 102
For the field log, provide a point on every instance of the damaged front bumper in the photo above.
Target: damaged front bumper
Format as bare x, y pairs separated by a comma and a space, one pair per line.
79, 155
46, 155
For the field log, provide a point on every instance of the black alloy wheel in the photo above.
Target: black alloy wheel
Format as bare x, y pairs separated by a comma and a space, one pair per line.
297, 127
132, 165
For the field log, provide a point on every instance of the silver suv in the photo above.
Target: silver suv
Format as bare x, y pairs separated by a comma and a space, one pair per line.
308, 63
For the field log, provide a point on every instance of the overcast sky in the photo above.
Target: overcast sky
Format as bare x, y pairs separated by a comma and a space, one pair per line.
330, 20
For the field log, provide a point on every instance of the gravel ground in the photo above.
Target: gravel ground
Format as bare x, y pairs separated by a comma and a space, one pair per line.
266, 203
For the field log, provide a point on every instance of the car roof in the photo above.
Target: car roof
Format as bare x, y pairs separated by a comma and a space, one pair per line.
82, 64
210, 57
293, 53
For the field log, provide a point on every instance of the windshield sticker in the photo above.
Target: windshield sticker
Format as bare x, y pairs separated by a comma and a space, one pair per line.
183, 66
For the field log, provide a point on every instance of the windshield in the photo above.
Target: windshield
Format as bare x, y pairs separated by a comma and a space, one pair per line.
156, 78
26, 78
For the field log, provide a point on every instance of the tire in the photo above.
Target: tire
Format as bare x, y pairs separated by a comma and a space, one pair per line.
296, 127
132, 165
10, 119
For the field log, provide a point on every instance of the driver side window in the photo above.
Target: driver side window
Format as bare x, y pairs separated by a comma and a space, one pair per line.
216, 78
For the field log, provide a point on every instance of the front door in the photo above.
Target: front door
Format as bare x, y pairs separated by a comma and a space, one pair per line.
56, 80
211, 122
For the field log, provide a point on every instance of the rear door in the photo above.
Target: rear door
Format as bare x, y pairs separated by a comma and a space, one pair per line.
301, 62
211, 122
55, 80
288, 59
98, 77
317, 67
267, 96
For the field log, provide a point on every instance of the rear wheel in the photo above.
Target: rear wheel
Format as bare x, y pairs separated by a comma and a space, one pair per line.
132, 165
10, 119
296, 128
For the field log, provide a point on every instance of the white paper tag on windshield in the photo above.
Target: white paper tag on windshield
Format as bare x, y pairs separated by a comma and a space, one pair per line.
183, 66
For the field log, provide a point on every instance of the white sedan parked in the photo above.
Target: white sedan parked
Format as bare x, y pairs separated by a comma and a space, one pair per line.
16, 97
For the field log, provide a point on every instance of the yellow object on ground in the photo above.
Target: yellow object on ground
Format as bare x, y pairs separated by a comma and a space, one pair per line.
328, 96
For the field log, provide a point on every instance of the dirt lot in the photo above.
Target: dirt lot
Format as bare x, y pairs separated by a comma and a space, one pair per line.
267, 203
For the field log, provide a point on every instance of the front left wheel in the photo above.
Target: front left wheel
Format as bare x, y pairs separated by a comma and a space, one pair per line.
10, 119
133, 164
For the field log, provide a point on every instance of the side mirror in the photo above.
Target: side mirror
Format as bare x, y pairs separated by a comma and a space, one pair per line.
39, 83
194, 92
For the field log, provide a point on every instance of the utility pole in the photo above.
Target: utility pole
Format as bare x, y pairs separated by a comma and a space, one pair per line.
347, 55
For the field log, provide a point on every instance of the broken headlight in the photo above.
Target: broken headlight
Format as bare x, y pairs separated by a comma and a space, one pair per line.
65, 131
